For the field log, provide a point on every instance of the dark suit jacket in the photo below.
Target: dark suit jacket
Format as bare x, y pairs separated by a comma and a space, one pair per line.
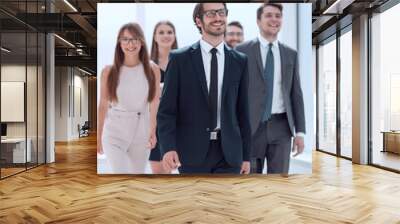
291, 88
183, 116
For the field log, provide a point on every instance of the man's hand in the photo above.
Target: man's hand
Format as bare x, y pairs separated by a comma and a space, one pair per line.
298, 145
245, 167
171, 161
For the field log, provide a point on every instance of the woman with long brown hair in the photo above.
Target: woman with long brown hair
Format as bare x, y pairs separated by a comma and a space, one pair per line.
164, 40
129, 98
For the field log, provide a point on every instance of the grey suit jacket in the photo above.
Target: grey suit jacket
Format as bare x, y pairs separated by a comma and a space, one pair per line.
291, 88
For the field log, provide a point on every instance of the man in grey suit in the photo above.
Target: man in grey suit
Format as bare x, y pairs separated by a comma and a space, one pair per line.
275, 97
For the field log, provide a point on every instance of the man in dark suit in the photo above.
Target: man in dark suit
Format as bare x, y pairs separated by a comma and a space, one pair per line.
276, 100
203, 116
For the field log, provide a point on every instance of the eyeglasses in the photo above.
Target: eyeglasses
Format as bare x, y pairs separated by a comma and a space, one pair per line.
239, 34
125, 41
213, 13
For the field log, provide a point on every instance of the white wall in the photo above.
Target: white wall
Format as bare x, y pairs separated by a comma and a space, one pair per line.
61, 103
13, 72
68, 81
80, 84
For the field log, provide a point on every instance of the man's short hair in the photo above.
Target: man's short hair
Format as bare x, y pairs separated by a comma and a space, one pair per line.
198, 13
236, 23
261, 8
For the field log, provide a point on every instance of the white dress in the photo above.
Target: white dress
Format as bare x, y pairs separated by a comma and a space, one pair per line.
126, 129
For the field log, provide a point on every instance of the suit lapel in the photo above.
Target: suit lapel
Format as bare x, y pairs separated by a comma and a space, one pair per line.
227, 67
284, 60
257, 52
197, 61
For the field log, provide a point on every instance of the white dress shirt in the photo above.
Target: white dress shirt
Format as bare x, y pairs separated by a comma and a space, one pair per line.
206, 54
278, 105
277, 97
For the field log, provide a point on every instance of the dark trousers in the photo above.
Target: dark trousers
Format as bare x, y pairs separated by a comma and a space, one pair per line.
214, 162
272, 142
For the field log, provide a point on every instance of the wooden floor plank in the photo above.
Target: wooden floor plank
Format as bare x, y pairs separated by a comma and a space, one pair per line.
70, 191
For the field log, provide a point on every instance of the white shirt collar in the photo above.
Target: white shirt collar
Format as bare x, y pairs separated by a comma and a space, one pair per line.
264, 42
207, 47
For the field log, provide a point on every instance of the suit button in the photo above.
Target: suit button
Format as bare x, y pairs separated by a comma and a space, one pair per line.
138, 113
207, 129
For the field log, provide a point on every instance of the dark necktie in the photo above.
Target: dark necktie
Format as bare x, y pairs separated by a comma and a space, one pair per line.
269, 79
213, 94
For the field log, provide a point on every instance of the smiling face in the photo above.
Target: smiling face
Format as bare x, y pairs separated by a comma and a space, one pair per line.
270, 21
213, 19
130, 43
164, 36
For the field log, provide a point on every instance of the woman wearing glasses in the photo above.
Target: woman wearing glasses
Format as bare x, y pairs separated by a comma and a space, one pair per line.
164, 40
129, 98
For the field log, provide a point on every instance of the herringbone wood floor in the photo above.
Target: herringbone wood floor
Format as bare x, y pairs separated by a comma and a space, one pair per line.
70, 191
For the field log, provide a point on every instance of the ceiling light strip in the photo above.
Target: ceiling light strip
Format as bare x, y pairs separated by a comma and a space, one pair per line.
331, 7
65, 41
70, 5
84, 71
5, 50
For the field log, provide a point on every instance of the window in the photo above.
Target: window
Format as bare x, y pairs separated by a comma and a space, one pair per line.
327, 97
346, 94
385, 89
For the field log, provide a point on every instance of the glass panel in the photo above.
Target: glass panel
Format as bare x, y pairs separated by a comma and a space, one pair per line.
41, 98
314, 71
13, 90
327, 97
346, 94
15, 6
31, 101
77, 110
32, 85
386, 89
22, 88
